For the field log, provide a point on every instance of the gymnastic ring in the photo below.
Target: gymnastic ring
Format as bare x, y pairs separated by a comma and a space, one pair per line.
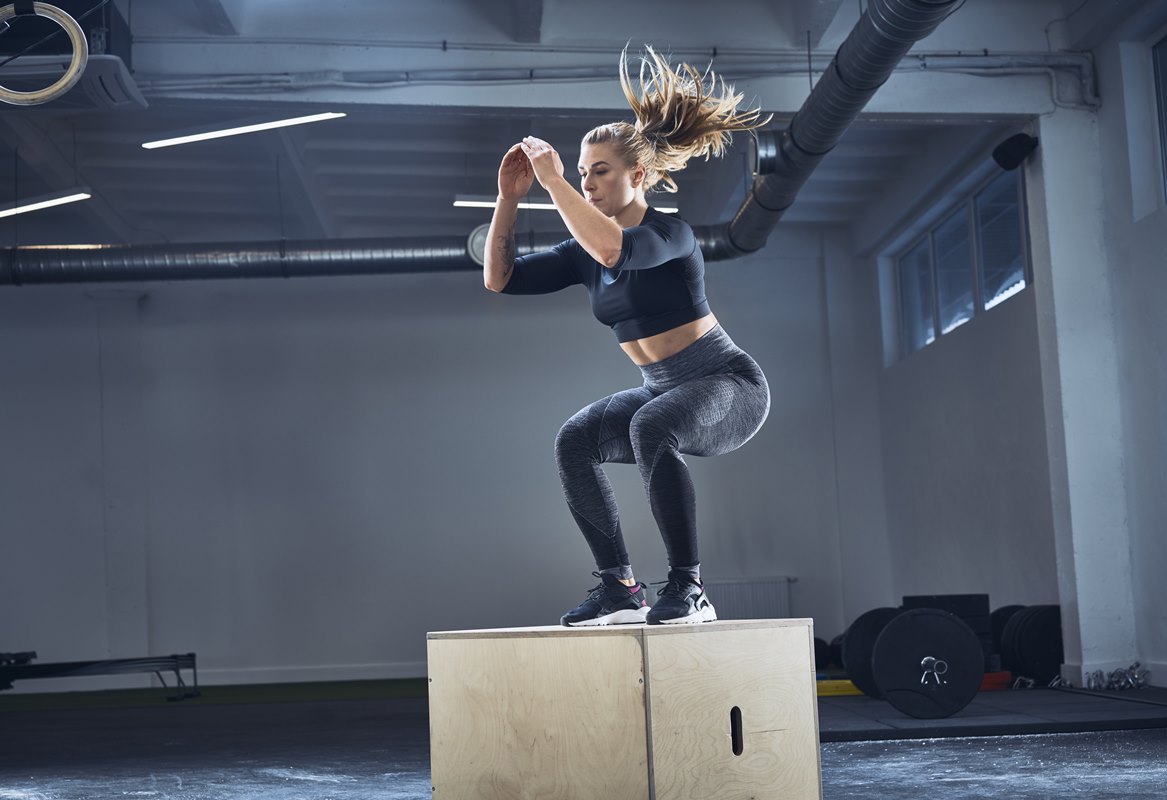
76, 66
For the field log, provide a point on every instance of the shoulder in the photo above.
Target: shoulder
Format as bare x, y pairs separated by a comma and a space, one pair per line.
671, 229
669, 226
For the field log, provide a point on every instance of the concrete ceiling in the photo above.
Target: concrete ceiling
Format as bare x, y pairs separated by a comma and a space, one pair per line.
408, 145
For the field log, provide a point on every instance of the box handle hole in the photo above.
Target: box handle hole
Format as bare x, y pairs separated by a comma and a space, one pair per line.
735, 730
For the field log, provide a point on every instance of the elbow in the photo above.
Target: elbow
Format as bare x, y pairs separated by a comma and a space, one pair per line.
495, 283
612, 254
491, 279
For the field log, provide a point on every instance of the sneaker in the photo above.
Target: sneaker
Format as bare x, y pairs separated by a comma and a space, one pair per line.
682, 600
610, 603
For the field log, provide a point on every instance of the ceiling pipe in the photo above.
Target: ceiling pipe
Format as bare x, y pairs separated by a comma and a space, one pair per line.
276, 259
877, 43
881, 38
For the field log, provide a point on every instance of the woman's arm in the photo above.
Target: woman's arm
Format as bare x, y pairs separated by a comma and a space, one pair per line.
499, 259
596, 233
515, 177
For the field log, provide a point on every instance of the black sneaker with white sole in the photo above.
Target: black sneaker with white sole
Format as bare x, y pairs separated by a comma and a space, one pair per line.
610, 603
682, 600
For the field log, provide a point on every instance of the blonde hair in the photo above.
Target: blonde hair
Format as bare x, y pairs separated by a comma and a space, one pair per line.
680, 114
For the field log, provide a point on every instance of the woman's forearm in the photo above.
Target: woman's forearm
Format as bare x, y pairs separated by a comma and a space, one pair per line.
599, 235
499, 258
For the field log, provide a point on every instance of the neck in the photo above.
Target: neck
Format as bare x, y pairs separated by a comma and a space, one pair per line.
633, 213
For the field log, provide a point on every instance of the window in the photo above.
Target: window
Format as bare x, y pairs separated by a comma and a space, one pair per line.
971, 260
918, 324
954, 281
1000, 259
1159, 56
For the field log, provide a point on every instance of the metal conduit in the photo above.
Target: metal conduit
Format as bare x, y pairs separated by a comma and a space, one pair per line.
878, 42
237, 260
278, 259
883, 35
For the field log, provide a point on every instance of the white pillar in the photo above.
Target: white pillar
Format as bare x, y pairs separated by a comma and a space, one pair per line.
123, 469
1078, 350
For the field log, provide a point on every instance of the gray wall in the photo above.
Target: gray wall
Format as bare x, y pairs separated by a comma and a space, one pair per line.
965, 470
853, 317
1136, 224
324, 469
959, 426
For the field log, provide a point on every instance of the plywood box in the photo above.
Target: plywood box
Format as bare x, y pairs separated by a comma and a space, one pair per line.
715, 711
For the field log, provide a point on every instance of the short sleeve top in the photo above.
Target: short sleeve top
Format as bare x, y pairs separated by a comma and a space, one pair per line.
657, 285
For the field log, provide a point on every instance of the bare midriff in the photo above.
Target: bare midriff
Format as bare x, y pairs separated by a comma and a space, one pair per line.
652, 349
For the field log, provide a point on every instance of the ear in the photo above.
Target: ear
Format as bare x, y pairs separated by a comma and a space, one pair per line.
638, 176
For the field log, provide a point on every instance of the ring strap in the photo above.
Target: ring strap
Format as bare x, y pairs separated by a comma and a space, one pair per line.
24, 8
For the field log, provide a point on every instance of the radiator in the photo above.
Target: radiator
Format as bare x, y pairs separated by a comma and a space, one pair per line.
751, 598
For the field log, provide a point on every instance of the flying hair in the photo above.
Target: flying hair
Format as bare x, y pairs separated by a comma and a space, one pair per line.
681, 113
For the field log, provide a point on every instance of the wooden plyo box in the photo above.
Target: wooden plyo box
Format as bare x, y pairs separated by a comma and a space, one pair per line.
714, 711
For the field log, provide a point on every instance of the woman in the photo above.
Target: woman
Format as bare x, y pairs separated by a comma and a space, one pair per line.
702, 395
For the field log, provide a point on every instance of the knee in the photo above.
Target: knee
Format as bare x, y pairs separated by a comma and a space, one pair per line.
572, 441
650, 431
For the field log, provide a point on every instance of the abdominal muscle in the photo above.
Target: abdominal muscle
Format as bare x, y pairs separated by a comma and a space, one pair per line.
651, 349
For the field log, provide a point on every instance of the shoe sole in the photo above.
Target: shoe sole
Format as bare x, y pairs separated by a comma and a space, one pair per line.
706, 614
624, 616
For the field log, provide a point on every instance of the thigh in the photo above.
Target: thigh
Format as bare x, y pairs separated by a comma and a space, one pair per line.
603, 426
709, 416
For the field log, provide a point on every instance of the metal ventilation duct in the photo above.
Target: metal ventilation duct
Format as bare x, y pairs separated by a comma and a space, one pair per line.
282, 259
876, 44
883, 35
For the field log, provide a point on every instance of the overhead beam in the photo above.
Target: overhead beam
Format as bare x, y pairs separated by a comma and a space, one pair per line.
521, 20
216, 20
811, 17
1089, 25
302, 188
39, 152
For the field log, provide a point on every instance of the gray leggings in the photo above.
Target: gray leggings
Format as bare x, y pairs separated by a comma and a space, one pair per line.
706, 400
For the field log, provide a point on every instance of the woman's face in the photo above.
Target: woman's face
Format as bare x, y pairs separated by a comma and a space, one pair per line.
607, 183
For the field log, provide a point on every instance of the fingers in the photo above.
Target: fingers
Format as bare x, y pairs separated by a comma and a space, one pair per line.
515, 154
534, 147
530, 146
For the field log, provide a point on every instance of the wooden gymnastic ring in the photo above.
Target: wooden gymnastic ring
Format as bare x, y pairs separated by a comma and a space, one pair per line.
76, 65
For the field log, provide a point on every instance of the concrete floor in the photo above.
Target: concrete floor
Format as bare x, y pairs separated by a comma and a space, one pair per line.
1116, 765
378, 750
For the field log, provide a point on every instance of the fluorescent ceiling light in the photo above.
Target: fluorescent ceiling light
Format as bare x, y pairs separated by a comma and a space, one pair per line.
477, 201
259, 126
466, 201
65, 247
46, 201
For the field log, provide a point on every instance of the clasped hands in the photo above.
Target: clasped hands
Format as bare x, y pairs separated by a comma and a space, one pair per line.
525, 162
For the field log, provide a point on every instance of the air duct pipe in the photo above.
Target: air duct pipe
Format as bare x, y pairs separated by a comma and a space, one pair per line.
881, 38
876, 44
280, 259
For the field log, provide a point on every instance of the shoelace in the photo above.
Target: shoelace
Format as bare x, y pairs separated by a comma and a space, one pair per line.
673, 587
596, 592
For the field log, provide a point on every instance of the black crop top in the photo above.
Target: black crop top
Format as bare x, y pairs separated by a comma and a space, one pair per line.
658, 283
